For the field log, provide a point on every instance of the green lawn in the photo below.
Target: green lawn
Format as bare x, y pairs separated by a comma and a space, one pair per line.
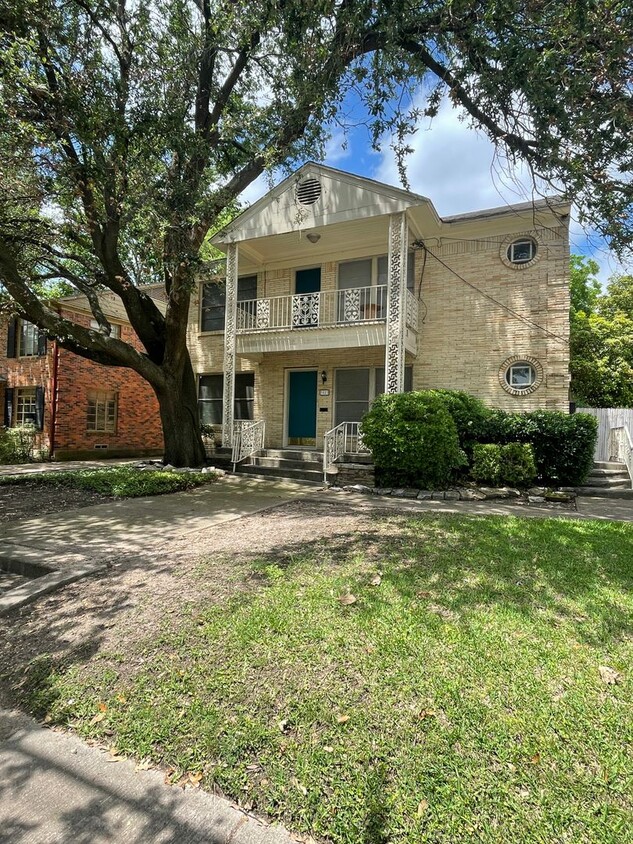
459, 699
119, 482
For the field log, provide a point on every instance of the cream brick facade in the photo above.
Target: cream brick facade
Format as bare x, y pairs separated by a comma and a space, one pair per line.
475, 310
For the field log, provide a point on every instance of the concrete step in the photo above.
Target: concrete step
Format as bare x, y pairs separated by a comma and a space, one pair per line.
609, 473
600, 492
312, 476
609, 483
294, 454
610, 465
285, 463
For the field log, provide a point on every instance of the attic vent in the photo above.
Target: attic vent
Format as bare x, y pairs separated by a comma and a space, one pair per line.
308, 191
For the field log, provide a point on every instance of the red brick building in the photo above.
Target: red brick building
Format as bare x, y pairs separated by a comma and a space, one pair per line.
82, 409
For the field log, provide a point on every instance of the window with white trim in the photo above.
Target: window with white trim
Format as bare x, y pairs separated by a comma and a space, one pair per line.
520, 375
28, 339
115, 328
102, 411
211, 397
26, 406
213, 308
521, 251
356, 389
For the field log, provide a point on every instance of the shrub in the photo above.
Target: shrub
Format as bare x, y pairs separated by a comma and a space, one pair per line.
504, 464
17, 445
563, 444
470, 416
122, 482
413, 439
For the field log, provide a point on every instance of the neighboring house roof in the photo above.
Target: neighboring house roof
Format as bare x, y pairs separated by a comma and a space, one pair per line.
111, 304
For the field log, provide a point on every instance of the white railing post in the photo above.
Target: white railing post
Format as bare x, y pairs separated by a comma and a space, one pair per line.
346, 438
621, 448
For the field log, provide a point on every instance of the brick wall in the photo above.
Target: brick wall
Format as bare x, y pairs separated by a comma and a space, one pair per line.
138, 430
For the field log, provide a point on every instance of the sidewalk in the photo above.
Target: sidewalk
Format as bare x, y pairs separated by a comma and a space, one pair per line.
55, 789
84, 541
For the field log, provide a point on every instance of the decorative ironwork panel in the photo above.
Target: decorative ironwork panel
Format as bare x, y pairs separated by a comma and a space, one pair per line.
396, 307
305, 310
263, 313
248, 439
352, 305
229, 345
412, 311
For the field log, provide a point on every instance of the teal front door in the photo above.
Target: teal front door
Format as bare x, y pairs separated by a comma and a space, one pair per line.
302, 407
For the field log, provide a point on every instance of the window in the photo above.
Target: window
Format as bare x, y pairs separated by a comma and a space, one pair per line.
115, 328
521, 375
213, 309
367, 273
102, 411
355, 390
211, 394
26, 412
521, 251
28, 339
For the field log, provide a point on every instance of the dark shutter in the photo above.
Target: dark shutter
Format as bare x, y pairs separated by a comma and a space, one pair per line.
39, 408
41, 343
11, 337
8, 406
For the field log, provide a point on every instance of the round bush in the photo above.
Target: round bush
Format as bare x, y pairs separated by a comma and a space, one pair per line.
413, 439
470, 416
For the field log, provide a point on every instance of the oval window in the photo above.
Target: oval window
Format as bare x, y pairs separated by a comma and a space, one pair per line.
522, 251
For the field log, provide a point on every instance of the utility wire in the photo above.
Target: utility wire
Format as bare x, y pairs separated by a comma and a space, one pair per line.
490, 298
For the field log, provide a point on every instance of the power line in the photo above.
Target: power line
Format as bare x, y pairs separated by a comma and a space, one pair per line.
492, 299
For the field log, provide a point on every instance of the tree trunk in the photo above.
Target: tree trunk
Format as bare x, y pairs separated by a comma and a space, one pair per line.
178, 402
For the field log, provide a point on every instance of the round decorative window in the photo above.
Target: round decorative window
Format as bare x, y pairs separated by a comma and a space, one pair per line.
308, 191
520, 251
521, 376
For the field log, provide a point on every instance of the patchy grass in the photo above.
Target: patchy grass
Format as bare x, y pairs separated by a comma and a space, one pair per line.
458, 698
119, 482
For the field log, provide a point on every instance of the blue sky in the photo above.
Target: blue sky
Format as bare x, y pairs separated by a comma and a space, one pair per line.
456, 167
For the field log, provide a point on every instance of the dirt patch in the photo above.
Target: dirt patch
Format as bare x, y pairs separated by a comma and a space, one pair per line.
115, 614
30, 500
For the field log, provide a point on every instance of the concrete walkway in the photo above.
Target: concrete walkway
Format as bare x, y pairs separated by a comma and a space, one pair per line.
55, 789
84, 541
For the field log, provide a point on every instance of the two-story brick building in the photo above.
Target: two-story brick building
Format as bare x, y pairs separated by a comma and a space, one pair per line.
338, 288
81, 409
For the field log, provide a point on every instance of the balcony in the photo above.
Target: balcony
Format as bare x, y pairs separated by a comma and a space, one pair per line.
349, 318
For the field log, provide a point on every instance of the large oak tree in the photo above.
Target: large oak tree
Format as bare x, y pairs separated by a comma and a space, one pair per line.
127, 129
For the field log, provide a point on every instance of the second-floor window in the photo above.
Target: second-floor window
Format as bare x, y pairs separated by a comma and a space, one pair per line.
24, 339
115, 328
213, 310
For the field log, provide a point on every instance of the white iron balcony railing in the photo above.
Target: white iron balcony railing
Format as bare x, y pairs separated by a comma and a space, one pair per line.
315, 310
346, 438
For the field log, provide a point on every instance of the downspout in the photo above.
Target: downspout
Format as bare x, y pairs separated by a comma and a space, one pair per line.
51, 436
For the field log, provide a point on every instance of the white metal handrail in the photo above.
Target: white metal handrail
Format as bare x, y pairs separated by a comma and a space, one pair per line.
313, 310
345, 438
621, 448
248, 439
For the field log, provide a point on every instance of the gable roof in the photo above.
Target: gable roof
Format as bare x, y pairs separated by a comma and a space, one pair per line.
331, 196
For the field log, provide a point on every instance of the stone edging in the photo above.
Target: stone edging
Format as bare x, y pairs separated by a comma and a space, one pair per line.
536, 495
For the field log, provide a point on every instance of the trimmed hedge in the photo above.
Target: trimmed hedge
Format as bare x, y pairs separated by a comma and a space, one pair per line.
470, 415
413, 439
511, 464
563, 444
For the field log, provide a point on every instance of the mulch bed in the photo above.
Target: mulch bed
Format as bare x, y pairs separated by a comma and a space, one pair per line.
31, 500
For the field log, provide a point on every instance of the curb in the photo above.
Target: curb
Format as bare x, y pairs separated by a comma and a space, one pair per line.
34, 589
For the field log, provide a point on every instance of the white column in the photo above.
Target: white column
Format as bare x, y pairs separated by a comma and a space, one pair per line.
229, 346
396, 303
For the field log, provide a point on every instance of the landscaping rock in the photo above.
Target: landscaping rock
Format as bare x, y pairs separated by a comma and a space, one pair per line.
536, 499
493, 492
364, 490
410, 493
510, 492
398, 493
438, 495
379, 490
472, 495
537, 490
451, 495
425, 494
558, 496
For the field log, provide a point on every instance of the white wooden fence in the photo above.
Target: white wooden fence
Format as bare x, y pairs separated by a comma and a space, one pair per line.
608, 418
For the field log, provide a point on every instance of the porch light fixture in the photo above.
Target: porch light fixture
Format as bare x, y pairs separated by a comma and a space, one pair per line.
323, 376
313, 237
